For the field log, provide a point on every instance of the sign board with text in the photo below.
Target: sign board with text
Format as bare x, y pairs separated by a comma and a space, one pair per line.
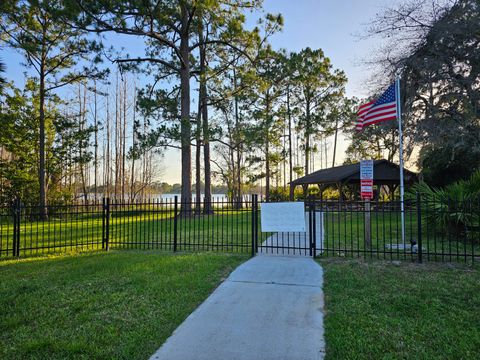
366, 179
283, 217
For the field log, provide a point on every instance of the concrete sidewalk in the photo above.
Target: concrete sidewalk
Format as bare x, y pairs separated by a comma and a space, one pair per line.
270, 307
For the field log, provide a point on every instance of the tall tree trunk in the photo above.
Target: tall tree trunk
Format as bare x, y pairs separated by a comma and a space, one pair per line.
124, 138
117, 148
108, 155
206, 154
104, 151
134, 143
185, 126
390, 156
198, 147
297, 151
267, 151
307, 138
267, 170
43, 212
144, 161
81, 121
238, 175
326, 153
198, 132
335, 143
290, 159
207, 207
233, 171
95, 144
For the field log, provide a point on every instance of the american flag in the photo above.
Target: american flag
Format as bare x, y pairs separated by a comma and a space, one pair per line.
382, 109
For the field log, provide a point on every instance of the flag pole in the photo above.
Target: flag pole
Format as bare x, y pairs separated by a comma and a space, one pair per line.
400, 137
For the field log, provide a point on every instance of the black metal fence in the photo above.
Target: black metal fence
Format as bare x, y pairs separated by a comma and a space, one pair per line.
170, 225
433, 230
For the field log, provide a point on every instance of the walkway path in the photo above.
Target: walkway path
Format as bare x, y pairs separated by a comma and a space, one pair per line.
270, 307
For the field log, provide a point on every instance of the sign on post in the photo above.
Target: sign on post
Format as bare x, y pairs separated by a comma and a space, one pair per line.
283, 217
366, 192
366, 179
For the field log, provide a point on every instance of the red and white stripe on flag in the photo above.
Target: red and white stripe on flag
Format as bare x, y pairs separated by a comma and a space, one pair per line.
380, 110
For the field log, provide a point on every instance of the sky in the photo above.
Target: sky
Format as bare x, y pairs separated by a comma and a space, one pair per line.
331, 25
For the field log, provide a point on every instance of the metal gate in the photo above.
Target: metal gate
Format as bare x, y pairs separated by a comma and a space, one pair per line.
307, 243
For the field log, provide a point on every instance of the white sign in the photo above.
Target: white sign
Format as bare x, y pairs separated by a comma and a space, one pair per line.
366, 179
283, 217
366, 170
366, 188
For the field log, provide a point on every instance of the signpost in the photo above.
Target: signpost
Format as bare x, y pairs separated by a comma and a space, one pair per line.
366, 192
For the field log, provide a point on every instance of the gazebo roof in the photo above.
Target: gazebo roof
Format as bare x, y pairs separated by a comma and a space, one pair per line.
384, 173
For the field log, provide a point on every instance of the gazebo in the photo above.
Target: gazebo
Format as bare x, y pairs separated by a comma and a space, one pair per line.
385, 173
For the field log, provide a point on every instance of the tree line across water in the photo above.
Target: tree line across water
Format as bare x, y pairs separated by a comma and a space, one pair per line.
92, 118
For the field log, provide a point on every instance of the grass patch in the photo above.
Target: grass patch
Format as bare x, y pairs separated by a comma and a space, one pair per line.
378, 310
117, 305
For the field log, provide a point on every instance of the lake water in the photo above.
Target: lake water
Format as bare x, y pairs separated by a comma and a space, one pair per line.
215, 197
165, 197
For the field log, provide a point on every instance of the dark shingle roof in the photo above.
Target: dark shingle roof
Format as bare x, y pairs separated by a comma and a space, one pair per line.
384, 172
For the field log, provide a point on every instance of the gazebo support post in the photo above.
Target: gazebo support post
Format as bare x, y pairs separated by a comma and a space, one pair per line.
379, 188
321, 189
340, 190
292, 191
305, 190
391, 189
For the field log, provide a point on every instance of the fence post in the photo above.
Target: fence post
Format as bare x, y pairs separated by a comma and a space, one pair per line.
107, 224
14, 237
322, 225
310, 226
256, 223
253, 225
175, 224
314, 228
16, 228
368, 227
19, 219
419, 225
103, 222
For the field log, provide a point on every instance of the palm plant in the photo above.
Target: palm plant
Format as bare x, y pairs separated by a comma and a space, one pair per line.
455, 207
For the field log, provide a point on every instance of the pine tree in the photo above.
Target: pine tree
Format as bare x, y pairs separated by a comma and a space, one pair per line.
51, 49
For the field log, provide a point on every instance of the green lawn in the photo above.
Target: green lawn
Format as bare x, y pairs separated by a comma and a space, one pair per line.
117, 305
123, 305
384, 310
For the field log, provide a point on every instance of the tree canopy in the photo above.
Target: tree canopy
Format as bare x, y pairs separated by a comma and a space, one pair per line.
97, 120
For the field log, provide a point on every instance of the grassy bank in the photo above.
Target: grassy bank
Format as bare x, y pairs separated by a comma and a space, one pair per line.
118, 305
379, 310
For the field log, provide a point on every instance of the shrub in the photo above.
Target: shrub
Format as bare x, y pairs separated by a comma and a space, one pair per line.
448, 164
455, 207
